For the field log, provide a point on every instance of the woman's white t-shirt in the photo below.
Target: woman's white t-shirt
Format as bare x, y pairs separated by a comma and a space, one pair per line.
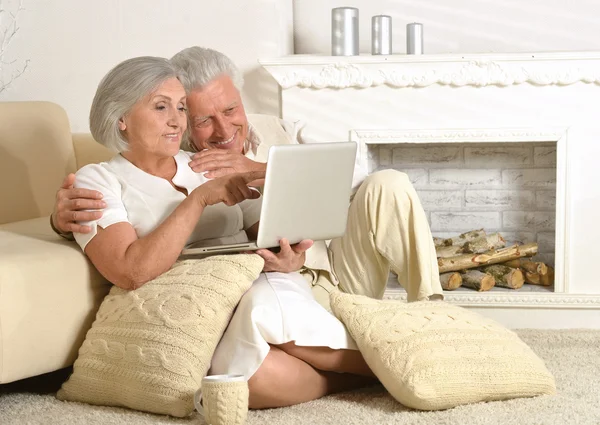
144, 200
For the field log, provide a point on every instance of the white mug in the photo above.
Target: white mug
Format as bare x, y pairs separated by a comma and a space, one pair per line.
228, 392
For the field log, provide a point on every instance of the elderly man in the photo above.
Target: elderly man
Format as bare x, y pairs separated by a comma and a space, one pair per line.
387, 227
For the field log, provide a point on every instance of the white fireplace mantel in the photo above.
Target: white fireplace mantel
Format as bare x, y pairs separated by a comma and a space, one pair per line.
401, 71
461, 98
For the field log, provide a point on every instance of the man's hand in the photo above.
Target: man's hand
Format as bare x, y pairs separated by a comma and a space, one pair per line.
69, 205
290, 258
221, 162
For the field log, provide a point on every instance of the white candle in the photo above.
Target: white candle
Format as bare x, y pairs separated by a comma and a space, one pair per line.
381, 35
344, 31
414, 39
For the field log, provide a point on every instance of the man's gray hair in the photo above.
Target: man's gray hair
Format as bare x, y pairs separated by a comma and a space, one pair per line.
201, 65
124, 86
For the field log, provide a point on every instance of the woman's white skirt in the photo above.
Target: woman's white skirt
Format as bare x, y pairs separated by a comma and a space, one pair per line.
278, 308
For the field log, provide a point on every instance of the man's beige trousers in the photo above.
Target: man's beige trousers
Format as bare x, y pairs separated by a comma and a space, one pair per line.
387, 230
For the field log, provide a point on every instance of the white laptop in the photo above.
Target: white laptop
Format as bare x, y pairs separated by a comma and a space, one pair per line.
306, 196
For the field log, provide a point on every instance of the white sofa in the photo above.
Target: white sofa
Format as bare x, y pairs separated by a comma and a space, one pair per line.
49, 291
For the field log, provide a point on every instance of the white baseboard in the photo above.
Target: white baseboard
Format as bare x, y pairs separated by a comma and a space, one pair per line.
535, 310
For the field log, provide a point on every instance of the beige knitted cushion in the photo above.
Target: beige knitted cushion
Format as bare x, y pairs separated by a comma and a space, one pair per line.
149, 349
433, 355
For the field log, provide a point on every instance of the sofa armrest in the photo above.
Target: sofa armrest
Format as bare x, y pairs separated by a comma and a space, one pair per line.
35, 154
49, 295
88, 151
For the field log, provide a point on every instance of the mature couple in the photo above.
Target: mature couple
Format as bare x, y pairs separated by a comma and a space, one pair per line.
134, 214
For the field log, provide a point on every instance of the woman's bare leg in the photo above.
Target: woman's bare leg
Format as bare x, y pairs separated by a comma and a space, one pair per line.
328, 359
285, 380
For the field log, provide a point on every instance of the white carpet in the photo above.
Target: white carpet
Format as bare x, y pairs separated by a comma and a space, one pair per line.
573, 356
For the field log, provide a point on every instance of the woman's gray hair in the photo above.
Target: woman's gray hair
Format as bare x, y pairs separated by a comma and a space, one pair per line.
124, 86
201, 65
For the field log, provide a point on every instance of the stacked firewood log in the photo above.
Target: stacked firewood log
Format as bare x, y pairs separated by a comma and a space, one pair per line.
480, 261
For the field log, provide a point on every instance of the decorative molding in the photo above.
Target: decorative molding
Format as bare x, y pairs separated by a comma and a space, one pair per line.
478, 73
508, 300
459, 135
364, 138
528, 57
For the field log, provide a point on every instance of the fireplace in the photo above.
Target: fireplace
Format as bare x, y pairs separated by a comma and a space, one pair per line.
509, 188
503, 142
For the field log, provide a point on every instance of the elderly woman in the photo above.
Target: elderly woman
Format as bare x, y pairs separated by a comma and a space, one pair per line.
291, 349
387, 225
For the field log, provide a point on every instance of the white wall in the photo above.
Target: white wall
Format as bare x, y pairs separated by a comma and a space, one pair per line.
460, 26
71, 44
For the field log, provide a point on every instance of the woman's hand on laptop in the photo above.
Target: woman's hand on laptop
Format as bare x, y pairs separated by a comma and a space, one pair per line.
290, 258
230, 189
221, 162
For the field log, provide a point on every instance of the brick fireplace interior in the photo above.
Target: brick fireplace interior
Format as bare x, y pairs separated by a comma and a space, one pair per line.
509, 188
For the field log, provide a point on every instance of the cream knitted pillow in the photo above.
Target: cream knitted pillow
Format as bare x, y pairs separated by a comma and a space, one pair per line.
433, 355
149, 349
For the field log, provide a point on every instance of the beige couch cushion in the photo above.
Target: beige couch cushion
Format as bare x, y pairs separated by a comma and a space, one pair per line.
88, 151
36, 153
433, 355
149, 349
49, 293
